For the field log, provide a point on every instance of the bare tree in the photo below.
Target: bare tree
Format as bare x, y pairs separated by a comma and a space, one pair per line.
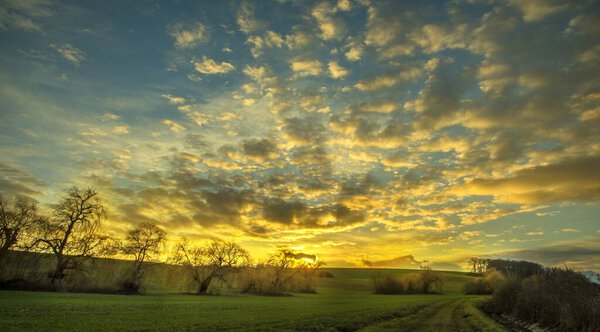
72, 234
210, 262
283, 261
428, 278
144, 243
14, 222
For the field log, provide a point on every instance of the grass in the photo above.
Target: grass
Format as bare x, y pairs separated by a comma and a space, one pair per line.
344, 303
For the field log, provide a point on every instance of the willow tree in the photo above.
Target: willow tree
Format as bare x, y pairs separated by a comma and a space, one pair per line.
144, 243
73, 232
210, 262
15, 221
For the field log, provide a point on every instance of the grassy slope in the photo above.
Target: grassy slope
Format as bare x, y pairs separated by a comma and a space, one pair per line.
343, 303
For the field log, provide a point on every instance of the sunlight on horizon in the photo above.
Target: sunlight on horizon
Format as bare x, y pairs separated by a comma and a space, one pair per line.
367, 133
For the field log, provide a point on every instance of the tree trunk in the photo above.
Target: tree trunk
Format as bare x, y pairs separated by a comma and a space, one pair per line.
204, 284
8, 242
59, 273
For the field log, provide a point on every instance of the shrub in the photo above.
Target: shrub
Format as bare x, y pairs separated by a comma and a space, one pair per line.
284, 273
388, 284
485, 285
478, 287
422, 282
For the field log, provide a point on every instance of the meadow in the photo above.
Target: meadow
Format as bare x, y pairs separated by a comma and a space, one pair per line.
345, 302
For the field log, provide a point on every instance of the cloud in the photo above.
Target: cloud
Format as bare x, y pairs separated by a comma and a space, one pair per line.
567, 180
354, 53
273, 39
303, 131
188, 36
248, 102
387, 80
582, 255
297, 40
15, 182
246, 20
210, 67
330, 27
306, 67
376, 107
174, 99
298, 214
25, 15
337, 71
109, 117
70, 53
363, 132
257, 45
121, 130
174, 126
383, 26
259, 150
401, 262
261, 75
537, 10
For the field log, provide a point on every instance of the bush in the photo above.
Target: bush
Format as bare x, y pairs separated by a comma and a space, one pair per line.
486, 285
478, 287
283, 274
388, 284
422, 282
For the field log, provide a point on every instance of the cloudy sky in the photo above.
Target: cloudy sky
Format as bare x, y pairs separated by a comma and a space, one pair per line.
380, 133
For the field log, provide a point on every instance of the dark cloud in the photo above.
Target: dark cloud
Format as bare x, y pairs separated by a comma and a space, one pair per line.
442, 96
224, 206
301, 255
299, 214
259, 150
280, 211
368, 133
304, 131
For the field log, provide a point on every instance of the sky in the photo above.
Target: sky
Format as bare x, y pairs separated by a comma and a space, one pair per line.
369, 133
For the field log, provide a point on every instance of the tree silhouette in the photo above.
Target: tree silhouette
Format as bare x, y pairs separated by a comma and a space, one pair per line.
144, 243
72, 234
15, 220
282, 261
210, 262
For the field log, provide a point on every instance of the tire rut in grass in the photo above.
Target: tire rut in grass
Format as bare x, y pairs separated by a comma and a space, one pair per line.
444, 316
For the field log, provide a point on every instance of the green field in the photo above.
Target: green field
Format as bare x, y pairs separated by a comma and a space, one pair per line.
343, 303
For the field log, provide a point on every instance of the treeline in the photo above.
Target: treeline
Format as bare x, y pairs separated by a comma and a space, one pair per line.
51, 251
556, 299
521, 268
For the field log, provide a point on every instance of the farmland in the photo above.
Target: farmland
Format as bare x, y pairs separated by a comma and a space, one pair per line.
345, 302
